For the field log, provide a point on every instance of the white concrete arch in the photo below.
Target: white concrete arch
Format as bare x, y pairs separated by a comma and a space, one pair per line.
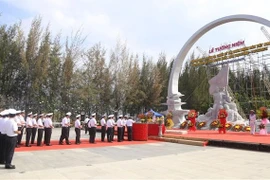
179, 61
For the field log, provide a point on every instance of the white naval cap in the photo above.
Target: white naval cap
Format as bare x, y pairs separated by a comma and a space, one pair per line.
35, 115
41, 115
68, 114
111, 115
120, 115
4, 113
104, 115
49, 114
78, 116
94, 114
19, 112
12, 111
29, 114
126, 116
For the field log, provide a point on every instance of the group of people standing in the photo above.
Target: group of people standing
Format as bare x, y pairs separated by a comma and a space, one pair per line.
12, 125
36, 124
253, 120
108, 127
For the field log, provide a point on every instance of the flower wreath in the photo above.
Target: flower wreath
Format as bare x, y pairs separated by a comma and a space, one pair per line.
222, 113
190, 124
220, 125
237, 127
215, 123
247, 128
192, 114
183, 125
201, 124
228, 126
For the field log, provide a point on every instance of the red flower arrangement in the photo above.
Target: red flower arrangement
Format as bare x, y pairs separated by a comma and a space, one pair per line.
192, 114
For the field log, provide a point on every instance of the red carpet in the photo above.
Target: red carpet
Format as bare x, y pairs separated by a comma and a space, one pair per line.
229, 136
85, 144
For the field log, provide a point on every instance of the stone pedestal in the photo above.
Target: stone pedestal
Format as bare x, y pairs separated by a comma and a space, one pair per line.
174, 104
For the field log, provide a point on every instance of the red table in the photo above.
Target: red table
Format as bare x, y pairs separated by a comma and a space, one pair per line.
140, 131
154, 128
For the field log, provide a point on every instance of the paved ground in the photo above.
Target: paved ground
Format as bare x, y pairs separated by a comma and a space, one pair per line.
159, 160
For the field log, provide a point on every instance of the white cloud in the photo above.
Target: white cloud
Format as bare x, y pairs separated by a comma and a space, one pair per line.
151, 26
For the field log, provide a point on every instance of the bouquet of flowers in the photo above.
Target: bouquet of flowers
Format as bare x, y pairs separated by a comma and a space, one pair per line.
263, 112
238, 127
142, 117
214, 124
183, 125
228, 126
192, 114
201, 124
261, 126
169, 122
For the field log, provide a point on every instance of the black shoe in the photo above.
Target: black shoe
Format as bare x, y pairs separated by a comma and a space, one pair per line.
10, 167
2, 162
61, 143
27, 145
48, 145
68, 143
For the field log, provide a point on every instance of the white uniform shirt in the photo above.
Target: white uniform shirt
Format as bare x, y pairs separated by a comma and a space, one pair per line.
4, 131
18, 121
48, 123
29, 123
68, 122
22, 120
124, 121
40, 123
78, 123
109, 123
252, 118
2, 122
10, 127
34, 122
119, 123
92, 122
103, 122
113, 122
86, 120
130, 122
64, 122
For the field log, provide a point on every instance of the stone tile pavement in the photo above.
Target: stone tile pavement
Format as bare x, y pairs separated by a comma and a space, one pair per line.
160, 160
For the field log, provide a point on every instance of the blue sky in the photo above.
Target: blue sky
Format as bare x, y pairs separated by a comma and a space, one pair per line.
147, 26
